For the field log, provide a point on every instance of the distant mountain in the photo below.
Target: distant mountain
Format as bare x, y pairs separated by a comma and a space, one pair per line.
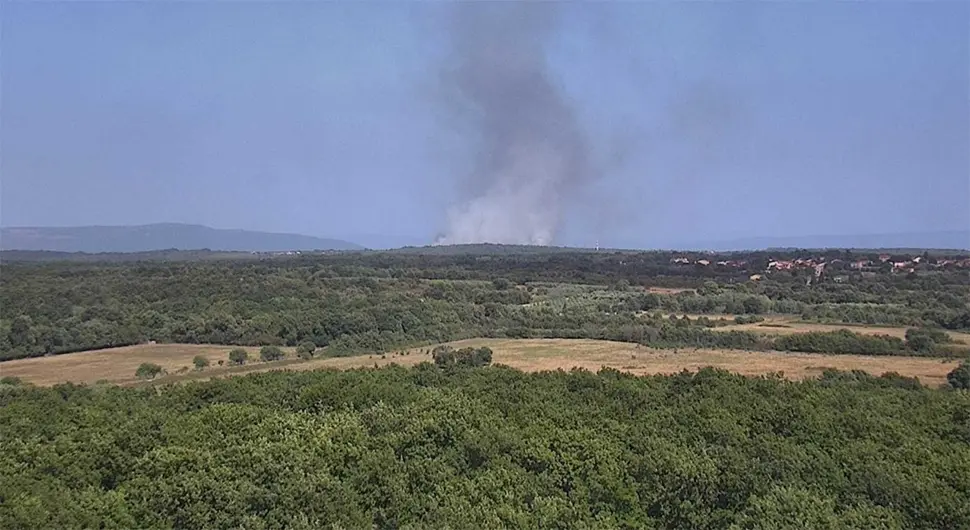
953, 239
157, 237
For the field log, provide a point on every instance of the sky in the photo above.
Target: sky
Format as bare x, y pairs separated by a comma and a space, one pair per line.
704, 121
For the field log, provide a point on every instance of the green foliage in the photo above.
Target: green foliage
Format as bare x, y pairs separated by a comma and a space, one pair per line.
487, 448
305, 349
270, 353
748, 319
201, 362
446, 356
238, 356
841, 341
378, 302
925, 340
959, 377
148, 371
11, 380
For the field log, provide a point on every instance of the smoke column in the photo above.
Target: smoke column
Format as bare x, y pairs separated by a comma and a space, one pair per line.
531, 152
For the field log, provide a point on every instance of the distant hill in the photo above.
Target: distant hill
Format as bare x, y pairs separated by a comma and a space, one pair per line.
145, 238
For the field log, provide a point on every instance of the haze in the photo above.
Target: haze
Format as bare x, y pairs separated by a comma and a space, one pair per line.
695, 121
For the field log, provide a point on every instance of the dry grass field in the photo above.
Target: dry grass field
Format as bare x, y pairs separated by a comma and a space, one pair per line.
118, 365
670, 290
787, 325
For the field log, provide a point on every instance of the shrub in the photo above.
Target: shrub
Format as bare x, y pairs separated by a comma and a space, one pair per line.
305, 350
445, 356
270, 353
148, 371
841, 341
748, 319
200, 362
238, 356
925, 340
959, 377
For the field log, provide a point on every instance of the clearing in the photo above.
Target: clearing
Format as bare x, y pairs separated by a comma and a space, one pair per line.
781, 325
118, 365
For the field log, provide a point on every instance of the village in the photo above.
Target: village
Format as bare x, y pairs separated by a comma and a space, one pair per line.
882, 263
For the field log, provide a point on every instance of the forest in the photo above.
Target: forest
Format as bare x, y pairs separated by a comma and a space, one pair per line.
457, 446
457, 441
368, 301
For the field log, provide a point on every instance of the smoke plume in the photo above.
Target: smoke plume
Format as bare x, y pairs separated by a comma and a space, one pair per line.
531, 152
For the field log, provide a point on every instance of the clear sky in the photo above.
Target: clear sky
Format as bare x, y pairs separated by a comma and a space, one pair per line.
707, 121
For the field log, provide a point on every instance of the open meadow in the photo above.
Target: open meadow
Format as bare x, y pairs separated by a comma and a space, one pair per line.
785, 325
118, 365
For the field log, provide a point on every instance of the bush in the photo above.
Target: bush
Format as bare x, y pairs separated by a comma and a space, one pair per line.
270, 353
11, 380
841, 341
925, 340
959, 378
445, 356
148, 371
748, 319
200, 362
305, 350
238, 356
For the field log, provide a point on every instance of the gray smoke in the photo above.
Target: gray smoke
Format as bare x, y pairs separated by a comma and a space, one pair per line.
531, 151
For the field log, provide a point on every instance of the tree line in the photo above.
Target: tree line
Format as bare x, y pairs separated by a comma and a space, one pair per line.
381, 301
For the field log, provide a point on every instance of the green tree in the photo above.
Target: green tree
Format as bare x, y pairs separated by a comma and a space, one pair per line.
201, 362
238, 356
305, 349
19, 334
959, 377
148, 371
270, 353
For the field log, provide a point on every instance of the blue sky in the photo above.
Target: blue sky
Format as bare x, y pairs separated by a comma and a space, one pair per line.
708, 121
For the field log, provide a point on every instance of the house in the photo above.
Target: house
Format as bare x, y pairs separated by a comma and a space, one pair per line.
703, 262
755, 277
781, 265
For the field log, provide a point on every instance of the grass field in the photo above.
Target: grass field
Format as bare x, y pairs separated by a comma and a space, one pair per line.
118, 365
779, 325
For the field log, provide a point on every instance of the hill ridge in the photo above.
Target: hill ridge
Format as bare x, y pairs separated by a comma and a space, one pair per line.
159, 236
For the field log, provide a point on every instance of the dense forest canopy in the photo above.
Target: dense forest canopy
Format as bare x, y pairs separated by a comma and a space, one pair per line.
430, 447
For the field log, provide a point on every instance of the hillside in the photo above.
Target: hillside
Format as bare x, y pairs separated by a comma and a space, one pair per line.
143, 238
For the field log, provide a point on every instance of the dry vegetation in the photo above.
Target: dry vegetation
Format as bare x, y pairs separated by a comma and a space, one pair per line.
670, 290
780, 325
118, 365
